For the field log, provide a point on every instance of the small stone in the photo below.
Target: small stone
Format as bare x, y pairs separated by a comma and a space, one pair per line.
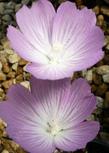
25, 1
15, 66
2, 7
19, 78
22, 62
93, 88
106, 78
9, 51
104, 69
10, 5
100, 20
107, 47
0, 66
104, 136
7, 18
11, 74
107, 1
19, 70
5, 151
97, 79
106, 101
17, 7
6, 84
99, 101
96, 9
26, 84
6, 68
106, 40
14, 58
89, 76
2, 76
105, 10
101, 89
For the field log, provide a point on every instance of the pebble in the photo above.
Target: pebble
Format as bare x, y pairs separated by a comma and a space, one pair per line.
101, 89
100, 20
104, 69
26, 84
2, 76
99, 101
19, 78
106, 102
0, 66
97, 79
5, 151
6, 68
6, 84
89, 75
9, 51
22, 62
11, 74
7, 18
15, 66
13, 58
106, 40
106, 78
2, 7
96, 9
105, 10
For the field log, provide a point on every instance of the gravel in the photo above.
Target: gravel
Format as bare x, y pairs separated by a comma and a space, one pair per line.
12, 69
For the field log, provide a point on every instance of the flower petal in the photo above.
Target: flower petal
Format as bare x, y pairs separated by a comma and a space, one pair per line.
70, 103
65, 30
23, 47
81, 38
36, 24
46, 71
24, 122
78, 137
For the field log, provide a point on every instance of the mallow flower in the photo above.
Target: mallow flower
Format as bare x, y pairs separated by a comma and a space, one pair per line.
56, 43
53, 114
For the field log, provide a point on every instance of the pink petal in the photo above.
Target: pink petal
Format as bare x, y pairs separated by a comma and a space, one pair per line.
77, 137
82, 39
24, 122
46, 71
23, 47
36, 24
71, 103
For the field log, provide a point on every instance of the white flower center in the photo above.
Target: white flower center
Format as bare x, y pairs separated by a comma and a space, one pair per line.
53, 128
55, 54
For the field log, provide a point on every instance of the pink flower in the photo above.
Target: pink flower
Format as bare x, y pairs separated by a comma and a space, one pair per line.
56, 43
52, 115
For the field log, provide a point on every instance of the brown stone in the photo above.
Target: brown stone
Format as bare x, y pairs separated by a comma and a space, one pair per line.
2, 76
6, 68
11, 74
101, 89
105, 10
6, 84
93, 88
19, 78
22, 62
97, 79
96, 9
100, 20
106, 101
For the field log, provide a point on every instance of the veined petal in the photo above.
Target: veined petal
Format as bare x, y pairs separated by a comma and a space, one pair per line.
36, 24
78, 137
47, 71
23, 47
24, 123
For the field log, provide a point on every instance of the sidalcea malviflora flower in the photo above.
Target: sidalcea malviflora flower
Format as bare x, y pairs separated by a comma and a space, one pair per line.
56, 43
53, 114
